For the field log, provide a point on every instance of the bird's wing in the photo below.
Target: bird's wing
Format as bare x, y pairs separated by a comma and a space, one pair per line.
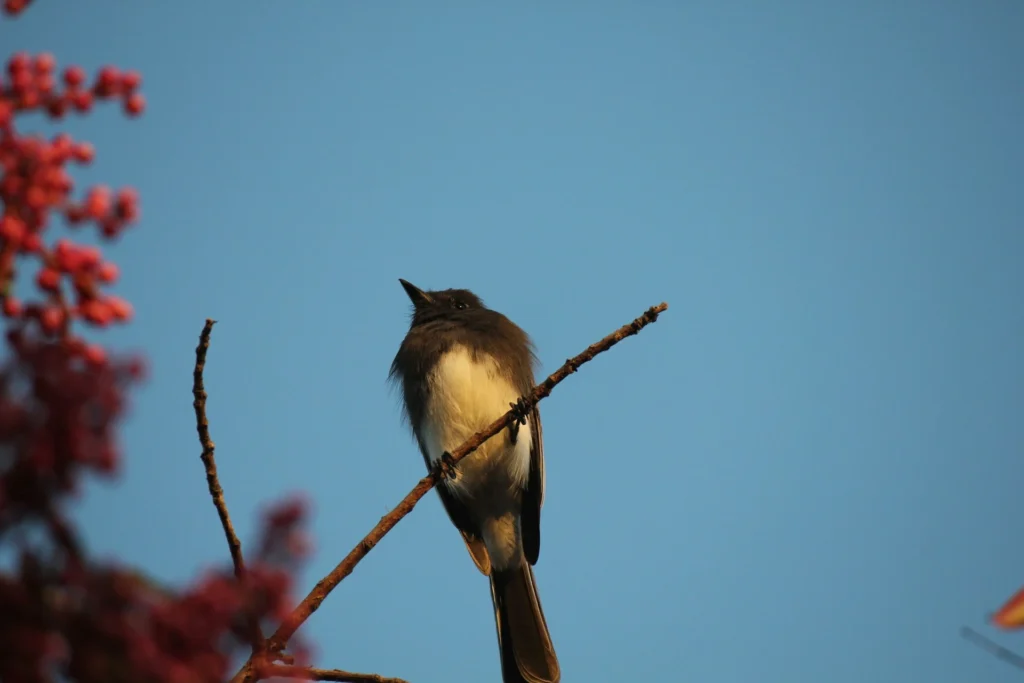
533, 496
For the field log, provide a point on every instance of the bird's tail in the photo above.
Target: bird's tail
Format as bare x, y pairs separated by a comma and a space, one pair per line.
527, 655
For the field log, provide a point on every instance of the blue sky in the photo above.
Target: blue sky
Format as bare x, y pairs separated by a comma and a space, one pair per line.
808, 470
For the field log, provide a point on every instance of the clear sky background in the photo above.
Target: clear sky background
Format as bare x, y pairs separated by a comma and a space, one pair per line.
809, 470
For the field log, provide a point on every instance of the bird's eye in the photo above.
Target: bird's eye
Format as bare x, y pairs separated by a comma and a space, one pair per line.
455, 303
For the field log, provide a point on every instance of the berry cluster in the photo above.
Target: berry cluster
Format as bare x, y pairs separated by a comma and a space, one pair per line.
36, 185
104, 623
33, 85
63, 615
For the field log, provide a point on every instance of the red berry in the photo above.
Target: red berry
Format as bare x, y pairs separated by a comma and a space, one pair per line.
19, 61
22, 81
30, 99
83, 152
69, 259
14, 7
74, 76
35, 197
75, 214
57, 107
90, 257
45, 63
95, 355
11, 307
82, 100
96, 312
44, 83
12, 229
61, 147
97, 202
32, 244
48, 279
134, 104
108, 81
127, 204
119, 308
108, 272
51, 319
131, 80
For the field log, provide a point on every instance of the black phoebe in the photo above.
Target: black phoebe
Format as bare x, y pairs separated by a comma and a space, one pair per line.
461, 366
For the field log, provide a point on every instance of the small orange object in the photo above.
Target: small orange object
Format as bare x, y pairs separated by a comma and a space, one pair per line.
1011, 614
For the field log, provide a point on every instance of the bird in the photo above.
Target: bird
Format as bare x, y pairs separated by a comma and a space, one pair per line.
461, 366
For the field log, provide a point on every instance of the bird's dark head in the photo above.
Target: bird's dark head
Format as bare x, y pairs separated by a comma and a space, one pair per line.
444, 304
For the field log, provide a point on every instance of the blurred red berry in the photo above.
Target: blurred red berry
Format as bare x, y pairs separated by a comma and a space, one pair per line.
90, 257
131, 80
32, 243
19, 61
127, 204
96, 312
75, 214
74, 76
95, 355
45, 84
108, 81
14, 7
57, 107
45, 63
97, 202
108, 272
134, 104
35, 197
81, 100
11, 307
83, 152
119, 308
30, 99
12, 229
51, 319
48, 279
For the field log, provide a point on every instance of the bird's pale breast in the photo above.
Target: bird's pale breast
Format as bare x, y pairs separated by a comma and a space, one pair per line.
466, 395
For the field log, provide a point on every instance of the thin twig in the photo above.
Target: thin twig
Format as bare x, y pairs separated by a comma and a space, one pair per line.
203, 427
311, 602
311, 674
992, 647
212, 481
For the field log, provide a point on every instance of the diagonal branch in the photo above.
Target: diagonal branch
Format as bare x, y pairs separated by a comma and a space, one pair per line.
992, 647
311, 602
311, 674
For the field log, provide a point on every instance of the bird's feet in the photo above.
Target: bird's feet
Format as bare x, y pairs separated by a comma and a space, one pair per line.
520, 410
446, 466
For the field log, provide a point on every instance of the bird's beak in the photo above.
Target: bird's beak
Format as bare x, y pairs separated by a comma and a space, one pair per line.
416, 295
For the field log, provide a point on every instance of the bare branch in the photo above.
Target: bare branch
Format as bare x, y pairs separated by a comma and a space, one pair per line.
311, 602
203, 427
311, 674
212, 481
992, 647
